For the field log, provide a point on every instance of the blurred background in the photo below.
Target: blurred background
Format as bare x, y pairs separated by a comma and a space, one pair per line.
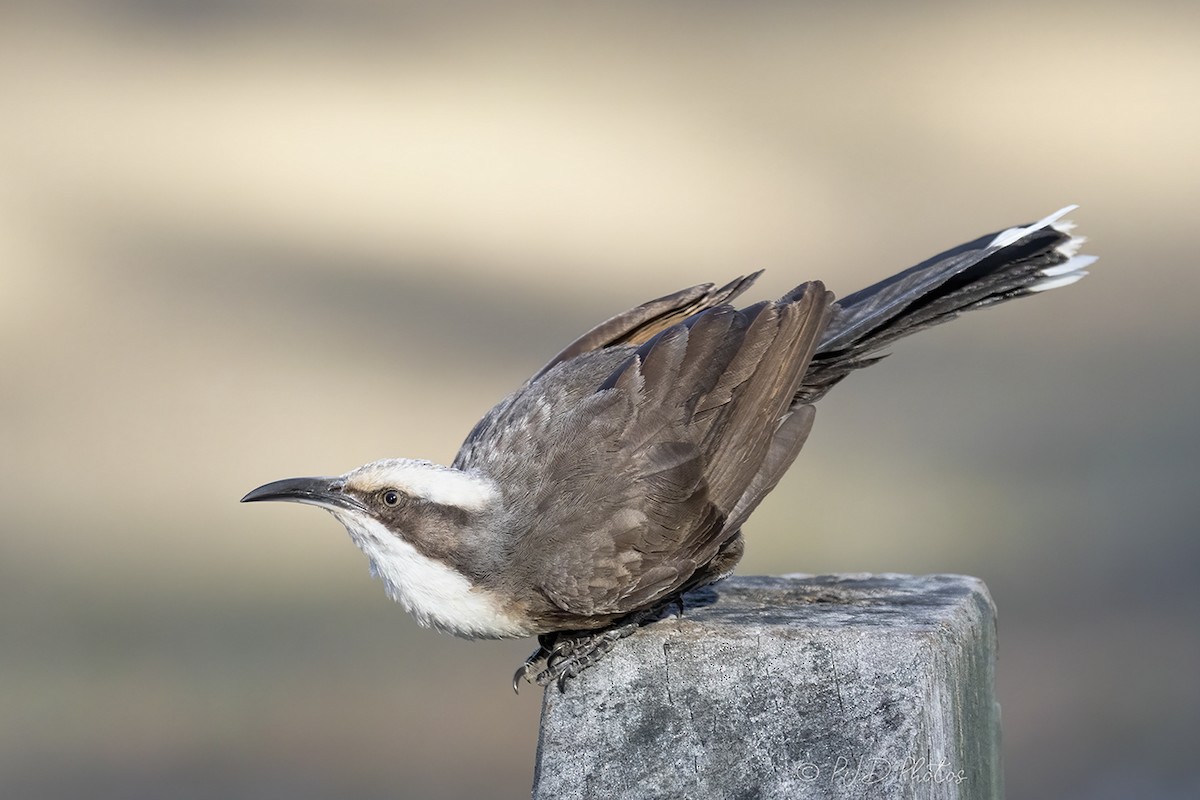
251, 239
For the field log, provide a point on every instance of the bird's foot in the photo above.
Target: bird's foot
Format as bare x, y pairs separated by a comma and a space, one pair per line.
564, 654
574, 651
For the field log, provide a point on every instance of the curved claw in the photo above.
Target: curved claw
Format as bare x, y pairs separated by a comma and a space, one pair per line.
530, 666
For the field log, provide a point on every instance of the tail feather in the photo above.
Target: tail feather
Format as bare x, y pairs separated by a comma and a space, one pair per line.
991, 269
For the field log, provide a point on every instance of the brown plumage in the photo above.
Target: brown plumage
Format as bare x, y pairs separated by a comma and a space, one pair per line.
631, 490
621, 474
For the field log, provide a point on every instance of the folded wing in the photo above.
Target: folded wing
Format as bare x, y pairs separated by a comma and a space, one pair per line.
634, 466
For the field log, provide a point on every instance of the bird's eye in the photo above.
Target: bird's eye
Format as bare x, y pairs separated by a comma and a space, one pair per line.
391, 497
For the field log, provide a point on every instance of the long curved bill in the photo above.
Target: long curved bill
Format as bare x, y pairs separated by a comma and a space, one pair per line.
324, 492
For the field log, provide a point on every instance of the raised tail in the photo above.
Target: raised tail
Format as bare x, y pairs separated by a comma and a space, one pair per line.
992, 269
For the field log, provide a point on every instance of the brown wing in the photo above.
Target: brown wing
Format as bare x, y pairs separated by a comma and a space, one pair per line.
644, 475
638, 325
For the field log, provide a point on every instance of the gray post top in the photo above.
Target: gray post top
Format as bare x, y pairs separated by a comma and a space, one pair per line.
801, 686
866, 600
838, 600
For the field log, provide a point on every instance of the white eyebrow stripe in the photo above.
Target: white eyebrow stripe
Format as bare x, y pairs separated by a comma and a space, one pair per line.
445, 486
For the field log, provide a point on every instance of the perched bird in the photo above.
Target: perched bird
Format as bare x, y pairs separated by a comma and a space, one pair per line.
619, 476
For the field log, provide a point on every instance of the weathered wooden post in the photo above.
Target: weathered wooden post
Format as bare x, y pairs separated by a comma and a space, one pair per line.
841, 686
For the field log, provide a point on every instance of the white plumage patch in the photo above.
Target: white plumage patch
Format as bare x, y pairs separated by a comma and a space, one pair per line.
1064, 274
435, 594
1014, 235
442, 485
1046, 284
1072, 264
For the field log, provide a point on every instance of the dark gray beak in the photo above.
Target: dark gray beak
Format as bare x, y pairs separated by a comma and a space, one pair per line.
326, 492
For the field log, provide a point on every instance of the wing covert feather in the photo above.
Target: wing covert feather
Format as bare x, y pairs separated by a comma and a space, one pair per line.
638, 325
626, 465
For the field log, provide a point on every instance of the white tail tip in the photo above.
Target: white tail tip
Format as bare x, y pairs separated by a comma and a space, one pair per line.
1014, 235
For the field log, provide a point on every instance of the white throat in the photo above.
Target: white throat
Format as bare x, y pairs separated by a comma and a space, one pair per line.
434, 593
